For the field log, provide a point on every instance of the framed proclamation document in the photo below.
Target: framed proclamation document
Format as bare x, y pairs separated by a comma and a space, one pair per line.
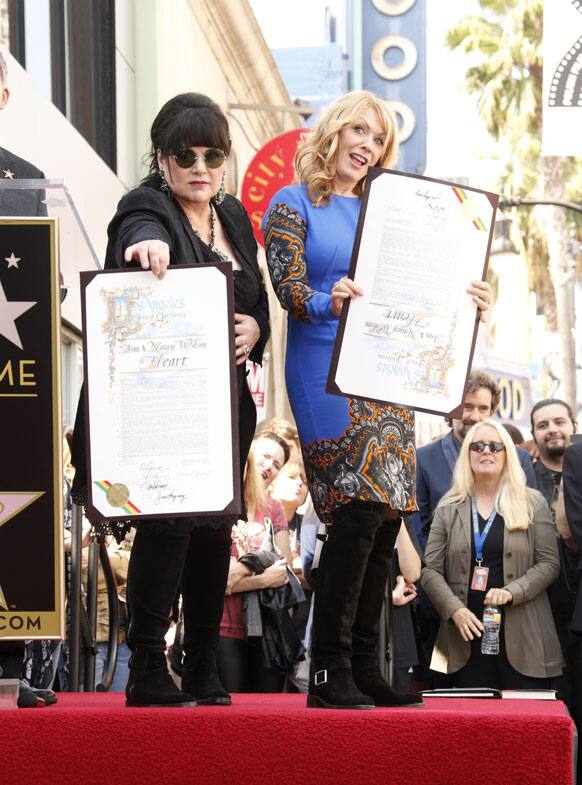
409, 339
161, 393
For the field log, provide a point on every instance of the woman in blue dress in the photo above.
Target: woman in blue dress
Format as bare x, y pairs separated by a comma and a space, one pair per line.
359, 455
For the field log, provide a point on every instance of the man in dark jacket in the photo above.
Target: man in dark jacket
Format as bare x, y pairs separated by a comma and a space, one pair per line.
572, 482
15, 202
18, 202
552, 427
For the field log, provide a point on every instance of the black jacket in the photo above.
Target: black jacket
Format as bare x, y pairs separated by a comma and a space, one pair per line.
546, 482
572, 479
148, 214
145, 213
562, 593
18, 202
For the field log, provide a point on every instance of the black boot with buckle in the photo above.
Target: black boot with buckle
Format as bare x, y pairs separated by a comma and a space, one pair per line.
365, 632
334, 688
339, 581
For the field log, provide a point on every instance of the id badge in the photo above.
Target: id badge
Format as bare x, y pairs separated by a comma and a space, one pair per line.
480, 575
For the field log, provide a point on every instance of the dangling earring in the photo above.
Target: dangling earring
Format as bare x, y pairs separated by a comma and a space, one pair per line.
164, 184
221, 193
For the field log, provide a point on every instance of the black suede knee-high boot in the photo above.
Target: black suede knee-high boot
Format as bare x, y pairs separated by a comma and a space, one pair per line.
203, 587
339, 581
365, 632
155, 568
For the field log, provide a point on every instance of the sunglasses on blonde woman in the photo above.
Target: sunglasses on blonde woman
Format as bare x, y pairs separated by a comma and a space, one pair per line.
212, 158
480, 446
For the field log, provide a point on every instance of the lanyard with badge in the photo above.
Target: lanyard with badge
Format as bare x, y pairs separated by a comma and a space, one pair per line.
480, 573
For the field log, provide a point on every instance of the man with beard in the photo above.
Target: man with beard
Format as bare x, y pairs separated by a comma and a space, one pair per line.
436, 461
552, 426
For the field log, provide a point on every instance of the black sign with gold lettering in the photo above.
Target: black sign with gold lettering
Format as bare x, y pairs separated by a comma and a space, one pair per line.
31, 558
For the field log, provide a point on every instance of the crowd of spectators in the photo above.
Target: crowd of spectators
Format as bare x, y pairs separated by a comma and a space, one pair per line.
526, 505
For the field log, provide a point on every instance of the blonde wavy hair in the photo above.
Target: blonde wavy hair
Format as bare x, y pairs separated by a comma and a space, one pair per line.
316, 157
514, 501
253, 488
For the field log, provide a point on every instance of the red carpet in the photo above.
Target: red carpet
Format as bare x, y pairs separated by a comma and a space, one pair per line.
273, 740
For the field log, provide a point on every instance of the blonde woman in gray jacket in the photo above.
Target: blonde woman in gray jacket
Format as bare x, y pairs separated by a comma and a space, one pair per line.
492, 542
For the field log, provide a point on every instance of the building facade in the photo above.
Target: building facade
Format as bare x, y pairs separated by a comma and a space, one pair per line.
87, 77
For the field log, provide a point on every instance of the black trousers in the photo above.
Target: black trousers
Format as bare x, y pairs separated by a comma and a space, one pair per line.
242, 667
165, 556
401, 679
569, 684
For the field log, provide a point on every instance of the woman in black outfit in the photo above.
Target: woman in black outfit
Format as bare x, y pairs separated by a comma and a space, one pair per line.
181, 214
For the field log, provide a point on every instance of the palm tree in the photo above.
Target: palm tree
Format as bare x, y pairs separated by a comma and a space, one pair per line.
504, 43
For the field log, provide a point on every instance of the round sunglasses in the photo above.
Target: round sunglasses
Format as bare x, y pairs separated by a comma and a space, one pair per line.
186, 158
480, 446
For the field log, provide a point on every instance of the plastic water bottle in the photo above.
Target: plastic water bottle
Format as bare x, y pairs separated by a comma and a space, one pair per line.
492, 626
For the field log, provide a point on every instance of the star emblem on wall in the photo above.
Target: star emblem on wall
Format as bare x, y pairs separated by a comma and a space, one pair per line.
12, 260
8, 175
9, 312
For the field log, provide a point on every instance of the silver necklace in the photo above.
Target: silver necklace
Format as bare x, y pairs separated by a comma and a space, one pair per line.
221, 255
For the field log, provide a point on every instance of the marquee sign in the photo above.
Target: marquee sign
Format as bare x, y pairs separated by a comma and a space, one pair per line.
31, 515
394, 68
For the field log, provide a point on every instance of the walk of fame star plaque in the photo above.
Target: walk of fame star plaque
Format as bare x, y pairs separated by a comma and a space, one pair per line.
31, 490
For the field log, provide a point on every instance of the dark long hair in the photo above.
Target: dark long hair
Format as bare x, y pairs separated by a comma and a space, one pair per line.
186, 120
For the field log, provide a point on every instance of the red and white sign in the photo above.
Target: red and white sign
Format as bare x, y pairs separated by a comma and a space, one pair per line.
257, 379
270, 170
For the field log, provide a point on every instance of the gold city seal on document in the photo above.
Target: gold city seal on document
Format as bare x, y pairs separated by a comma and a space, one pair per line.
117, 494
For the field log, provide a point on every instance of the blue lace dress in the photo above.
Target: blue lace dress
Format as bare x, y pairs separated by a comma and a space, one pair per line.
352, 448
